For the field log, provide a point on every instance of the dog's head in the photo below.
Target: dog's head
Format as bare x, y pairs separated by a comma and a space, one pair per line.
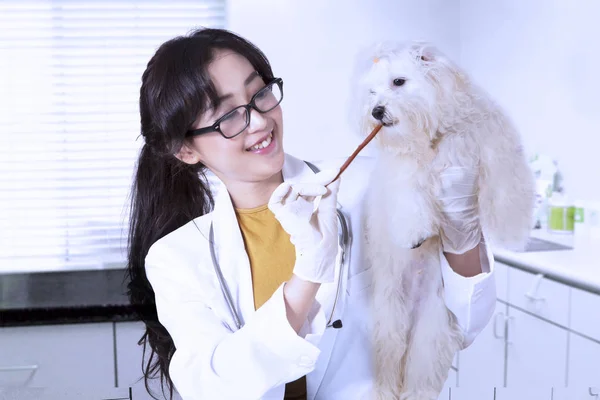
410, 88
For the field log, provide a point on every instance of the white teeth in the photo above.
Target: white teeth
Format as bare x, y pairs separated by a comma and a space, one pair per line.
264, 143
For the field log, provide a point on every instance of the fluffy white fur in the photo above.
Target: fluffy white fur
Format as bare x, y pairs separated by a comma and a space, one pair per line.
435, 117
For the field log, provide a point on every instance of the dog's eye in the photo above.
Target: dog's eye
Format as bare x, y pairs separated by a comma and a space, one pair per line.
399, 81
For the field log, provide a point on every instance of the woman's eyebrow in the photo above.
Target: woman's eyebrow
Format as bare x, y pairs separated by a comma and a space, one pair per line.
248, 80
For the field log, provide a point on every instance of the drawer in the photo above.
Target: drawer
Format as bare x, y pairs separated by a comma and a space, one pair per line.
539, 296
57, 356
501, 277
10, 393
584, 317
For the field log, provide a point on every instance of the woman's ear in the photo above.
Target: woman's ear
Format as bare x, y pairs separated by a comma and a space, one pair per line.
188, 154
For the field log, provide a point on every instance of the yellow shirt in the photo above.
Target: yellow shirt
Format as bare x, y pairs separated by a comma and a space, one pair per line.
272, 257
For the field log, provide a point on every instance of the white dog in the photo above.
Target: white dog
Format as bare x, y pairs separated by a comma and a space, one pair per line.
433, 116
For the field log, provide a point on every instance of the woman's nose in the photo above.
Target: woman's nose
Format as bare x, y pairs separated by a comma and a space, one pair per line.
257, 121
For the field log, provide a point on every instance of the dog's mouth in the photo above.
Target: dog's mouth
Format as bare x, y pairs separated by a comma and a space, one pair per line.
388, 121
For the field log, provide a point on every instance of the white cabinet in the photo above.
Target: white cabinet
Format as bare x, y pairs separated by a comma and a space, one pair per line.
584, 362
472, 393
531, 392
129, 361
78, 355
542, 342
579, 393
536, 354
481, 365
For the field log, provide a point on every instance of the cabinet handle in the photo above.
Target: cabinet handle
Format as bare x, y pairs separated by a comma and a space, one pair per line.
33, 368
531, 294
501, 315
594, 392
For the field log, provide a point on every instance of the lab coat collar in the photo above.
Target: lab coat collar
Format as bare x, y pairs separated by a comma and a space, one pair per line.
229, 243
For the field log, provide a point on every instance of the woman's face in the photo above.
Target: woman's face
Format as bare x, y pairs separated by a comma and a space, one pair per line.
237, 160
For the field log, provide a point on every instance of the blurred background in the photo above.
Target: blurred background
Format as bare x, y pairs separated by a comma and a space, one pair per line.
70, 74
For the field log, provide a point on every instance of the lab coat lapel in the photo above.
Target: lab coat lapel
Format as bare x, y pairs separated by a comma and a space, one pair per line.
231, 255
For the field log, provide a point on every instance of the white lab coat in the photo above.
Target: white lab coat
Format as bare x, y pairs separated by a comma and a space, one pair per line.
214, 361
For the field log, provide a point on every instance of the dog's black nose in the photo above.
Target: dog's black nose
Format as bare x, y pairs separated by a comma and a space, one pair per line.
378, 113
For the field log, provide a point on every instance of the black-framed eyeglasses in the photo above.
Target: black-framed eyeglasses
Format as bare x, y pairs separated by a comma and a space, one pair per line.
237, 120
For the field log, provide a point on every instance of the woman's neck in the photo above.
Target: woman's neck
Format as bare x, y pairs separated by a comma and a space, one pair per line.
253, 194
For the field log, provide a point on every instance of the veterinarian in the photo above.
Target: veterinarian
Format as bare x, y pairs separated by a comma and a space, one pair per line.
246, 294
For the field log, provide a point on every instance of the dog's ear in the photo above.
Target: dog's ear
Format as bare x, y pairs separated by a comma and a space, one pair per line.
424, 52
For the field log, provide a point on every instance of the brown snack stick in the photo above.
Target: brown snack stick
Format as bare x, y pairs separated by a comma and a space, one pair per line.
358, 149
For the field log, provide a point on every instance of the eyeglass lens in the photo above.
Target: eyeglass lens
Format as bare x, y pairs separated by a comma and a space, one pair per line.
237, 119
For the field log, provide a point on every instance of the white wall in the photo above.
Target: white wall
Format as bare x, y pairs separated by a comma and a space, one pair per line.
541, 61
312, 45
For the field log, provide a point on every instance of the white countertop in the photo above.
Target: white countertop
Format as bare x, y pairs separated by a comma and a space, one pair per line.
579, 267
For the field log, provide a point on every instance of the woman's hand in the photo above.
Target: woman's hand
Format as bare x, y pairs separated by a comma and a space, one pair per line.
312, 225
461, 230
307, 212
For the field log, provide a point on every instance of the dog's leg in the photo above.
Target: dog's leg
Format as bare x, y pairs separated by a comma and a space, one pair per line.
434, 338
388, 306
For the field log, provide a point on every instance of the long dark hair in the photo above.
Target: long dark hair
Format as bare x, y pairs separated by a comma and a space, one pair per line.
167, 193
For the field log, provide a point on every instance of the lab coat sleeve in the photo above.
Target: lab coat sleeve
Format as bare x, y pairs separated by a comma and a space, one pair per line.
472, 300
213, 362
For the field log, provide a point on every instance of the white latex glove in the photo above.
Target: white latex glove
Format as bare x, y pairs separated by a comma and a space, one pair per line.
307, 212
461, 231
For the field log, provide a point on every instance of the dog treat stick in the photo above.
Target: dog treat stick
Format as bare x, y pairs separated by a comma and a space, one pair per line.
358, 149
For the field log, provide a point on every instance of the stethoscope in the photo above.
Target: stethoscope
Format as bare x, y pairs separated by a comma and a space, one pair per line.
343, 241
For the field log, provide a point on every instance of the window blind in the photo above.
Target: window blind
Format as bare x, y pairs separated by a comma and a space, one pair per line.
70, 73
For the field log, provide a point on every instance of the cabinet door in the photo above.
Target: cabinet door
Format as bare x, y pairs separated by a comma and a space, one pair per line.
482, 363
584, 363
536, 352
582, 320
57, 356
129, 361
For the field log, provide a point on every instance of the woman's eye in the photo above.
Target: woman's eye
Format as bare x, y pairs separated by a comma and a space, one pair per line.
399, 81
262, 93
229, 116
372, 91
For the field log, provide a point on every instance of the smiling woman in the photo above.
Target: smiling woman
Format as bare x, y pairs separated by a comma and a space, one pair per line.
239, 292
